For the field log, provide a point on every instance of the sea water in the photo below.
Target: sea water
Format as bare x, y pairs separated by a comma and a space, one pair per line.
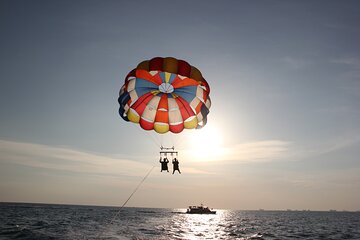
44, 221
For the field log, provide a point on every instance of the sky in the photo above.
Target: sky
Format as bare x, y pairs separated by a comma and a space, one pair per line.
283, 130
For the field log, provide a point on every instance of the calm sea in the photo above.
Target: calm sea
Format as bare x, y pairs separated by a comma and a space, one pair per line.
42, 221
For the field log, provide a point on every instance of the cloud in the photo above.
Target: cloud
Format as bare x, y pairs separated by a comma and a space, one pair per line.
269, 150
339, 143
66, 159
345, 27
257, 151
350, 73
353, 62
319, 179
296, 63
340, 109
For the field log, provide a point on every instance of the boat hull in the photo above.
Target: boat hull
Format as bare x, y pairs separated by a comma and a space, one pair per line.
213, 212
199, 210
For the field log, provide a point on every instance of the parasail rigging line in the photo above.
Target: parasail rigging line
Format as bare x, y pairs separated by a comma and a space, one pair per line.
154, 140
118, 212
179, 141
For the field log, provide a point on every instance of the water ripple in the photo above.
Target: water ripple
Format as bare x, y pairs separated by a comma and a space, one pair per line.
47, 222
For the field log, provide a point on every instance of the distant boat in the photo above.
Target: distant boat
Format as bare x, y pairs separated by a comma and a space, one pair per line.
200, 210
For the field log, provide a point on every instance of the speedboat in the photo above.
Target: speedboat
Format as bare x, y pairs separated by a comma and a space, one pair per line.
200, 210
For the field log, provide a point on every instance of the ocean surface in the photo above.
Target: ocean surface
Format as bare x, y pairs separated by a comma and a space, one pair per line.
44, 221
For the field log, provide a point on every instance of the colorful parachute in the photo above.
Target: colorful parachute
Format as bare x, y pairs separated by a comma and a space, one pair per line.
165, 94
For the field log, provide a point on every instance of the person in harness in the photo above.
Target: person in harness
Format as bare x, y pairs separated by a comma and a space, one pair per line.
164, 164
175, 163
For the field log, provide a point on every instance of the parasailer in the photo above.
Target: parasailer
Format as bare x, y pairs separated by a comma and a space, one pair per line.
165, 95
164, 164
175, 163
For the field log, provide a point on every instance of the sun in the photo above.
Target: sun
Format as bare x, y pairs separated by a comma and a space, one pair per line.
206, 144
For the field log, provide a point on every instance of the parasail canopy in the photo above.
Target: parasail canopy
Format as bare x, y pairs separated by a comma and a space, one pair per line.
165, 94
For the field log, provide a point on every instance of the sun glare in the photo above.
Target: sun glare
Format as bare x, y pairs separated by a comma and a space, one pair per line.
206, 144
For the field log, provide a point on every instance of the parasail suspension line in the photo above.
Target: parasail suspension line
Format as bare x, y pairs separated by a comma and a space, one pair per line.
117, 213
155, 141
